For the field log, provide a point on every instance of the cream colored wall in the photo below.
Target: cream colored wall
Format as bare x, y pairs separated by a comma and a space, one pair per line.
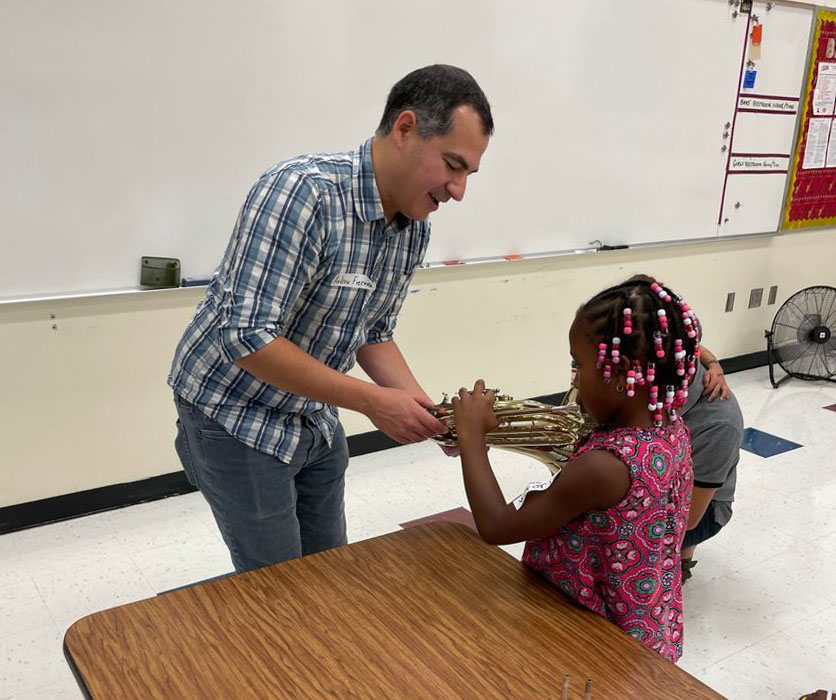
85, 404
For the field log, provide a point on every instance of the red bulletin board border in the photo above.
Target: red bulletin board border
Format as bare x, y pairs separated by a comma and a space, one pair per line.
811, 197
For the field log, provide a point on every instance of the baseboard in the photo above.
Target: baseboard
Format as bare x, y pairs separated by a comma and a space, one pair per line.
74, 505
364, 443
744, 362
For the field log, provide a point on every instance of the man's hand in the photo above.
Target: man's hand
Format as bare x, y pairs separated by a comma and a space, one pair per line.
715, 382
449, 450
403, 416
473, 412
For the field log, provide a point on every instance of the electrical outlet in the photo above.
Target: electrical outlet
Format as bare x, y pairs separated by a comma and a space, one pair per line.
729, 302
755, 297
773, 294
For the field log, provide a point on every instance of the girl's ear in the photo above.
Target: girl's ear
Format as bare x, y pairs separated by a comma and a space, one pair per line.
620, 370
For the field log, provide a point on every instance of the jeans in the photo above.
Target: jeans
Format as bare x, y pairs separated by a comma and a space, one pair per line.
267, 510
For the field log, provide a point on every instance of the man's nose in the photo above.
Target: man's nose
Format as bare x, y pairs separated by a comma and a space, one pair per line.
457, 186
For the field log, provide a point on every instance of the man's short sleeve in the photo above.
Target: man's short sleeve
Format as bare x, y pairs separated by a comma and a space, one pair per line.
273, 253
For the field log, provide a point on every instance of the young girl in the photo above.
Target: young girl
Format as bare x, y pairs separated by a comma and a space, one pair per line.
608, 530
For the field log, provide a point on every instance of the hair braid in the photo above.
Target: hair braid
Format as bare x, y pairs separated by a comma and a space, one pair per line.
676, 340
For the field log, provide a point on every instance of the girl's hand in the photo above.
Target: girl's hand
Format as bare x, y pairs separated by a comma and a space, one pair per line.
473, 412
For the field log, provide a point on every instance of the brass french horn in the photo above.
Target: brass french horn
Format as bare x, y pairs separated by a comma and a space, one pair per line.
542, 431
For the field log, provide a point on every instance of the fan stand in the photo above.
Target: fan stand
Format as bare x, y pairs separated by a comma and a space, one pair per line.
771, 361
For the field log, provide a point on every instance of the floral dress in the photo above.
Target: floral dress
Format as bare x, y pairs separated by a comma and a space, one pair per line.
624, 562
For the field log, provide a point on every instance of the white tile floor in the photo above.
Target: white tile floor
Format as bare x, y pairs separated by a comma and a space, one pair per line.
760, 609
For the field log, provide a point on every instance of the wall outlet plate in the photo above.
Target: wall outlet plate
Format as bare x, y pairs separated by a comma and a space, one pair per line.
729, 302
159, 272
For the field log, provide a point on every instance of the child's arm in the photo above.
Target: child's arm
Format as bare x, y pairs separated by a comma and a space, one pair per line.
595, 480
700, 498
714, 379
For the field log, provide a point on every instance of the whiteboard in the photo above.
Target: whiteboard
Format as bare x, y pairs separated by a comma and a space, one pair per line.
137, 129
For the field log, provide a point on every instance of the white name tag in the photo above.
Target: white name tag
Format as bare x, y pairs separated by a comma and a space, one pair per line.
533, 486
355, 280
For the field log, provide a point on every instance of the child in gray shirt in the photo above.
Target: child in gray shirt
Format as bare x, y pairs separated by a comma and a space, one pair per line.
716, 424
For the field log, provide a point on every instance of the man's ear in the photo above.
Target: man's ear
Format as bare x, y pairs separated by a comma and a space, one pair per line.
405, 125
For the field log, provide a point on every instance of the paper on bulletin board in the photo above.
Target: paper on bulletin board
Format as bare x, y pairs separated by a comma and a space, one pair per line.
815, 151
811, 196
830, 160
824, 95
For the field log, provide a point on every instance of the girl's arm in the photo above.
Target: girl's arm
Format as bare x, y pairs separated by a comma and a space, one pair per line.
595, 480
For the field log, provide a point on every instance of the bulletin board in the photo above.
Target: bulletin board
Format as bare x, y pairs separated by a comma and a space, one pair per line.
811, 196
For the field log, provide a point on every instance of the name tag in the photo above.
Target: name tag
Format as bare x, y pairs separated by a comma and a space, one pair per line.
533, 486
355, 280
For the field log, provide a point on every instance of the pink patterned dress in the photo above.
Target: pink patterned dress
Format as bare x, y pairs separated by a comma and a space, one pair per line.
623, 562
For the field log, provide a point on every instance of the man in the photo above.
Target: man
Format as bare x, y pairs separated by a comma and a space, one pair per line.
716, 424
313, 278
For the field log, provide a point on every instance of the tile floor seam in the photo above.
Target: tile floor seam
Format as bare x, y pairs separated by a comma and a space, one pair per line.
48, 609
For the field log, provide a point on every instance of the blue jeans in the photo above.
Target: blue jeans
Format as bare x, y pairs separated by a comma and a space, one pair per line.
267, 510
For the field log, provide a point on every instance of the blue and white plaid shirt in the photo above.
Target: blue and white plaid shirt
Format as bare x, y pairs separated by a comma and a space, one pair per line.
312, 260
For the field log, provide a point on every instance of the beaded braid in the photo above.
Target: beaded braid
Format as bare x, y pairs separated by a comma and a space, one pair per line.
645, 321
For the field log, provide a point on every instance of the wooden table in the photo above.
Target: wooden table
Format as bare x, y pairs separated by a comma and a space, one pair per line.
427, 612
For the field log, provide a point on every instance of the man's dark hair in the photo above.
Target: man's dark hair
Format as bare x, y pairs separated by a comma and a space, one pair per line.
433, 93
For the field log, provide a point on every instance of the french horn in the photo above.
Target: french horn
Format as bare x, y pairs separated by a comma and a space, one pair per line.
545, 432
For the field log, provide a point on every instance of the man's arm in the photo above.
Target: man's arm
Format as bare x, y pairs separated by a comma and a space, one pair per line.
386, 365
714, 380
395, 411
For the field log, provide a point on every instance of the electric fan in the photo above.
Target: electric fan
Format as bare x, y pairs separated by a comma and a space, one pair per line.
803, 336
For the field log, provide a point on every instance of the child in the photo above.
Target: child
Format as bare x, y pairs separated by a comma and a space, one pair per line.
608, 530
715, 423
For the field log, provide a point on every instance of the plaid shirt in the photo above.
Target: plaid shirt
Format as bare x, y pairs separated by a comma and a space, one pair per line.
312, 260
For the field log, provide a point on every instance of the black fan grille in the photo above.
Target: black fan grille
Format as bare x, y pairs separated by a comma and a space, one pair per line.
804, 334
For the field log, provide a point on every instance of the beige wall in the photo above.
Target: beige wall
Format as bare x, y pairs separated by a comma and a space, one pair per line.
85, 404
